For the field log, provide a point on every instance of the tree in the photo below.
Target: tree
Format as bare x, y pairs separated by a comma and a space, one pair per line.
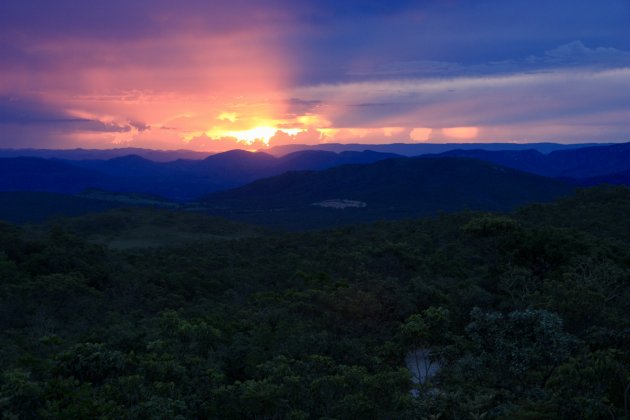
520, 350
424, 335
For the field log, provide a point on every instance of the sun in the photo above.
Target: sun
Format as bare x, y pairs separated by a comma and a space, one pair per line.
261, 133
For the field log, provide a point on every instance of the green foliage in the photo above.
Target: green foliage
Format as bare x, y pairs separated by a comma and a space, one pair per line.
426, 330
592, 384
491, 225
519, 350
526, 313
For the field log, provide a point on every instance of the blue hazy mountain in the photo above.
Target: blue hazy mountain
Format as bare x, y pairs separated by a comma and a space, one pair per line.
180, 179
585, 162
388, 189
188, 179
619, 178
403, 149
417, 149
104, 154
37, 206
37, 174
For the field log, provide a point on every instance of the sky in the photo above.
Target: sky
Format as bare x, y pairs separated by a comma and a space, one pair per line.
218, 75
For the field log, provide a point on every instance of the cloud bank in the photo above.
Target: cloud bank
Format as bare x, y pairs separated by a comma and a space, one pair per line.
251, 74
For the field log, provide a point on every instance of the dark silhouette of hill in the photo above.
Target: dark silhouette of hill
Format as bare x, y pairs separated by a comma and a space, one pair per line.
238, 167
585, 162
591, 161
239, 159
620, 178
388, 189
182, 179
230, 168
124, 174
242, 165
130, 165
36, 174
104, 154
33, 207
318, 159
417, 149
404, 149
601, 211
186, 179
134, 173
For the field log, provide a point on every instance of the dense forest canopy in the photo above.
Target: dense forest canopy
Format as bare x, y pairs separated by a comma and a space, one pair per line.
526, 314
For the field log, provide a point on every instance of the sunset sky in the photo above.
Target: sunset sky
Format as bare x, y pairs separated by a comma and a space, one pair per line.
216, 75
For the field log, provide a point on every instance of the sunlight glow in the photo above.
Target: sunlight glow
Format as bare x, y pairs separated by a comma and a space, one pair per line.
249, 136
312, 120
254, 135
228, 116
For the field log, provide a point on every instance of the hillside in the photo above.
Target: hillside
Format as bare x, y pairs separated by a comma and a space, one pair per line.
104, 154
388, 189
406, 149
36, 174
32, 207
136, 228
618, 178
584, 162
187, 180
600, 211
417, 149
523, 316
181, 179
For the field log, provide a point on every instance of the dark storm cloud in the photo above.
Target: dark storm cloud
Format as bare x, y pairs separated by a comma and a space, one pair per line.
21, 111
440, 35
31, 112
125, 20
351, 38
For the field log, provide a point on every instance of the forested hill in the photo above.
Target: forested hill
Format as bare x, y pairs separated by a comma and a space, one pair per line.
525, 316
181, 179
580, 163
384, 190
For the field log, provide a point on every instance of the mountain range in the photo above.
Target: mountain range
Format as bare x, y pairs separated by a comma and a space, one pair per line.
35, 207
389, 189
313, 187
182, 179
403, 149
581, 163
417, 149
104, 154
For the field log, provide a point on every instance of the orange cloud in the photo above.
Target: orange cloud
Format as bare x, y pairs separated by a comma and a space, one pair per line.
461, 133
420, 134
309, 136
189, 84
209, 144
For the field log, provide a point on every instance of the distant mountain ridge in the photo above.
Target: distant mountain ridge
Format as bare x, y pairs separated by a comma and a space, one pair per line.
37, 174
36, 206
417, 149
189, 179
403, 149
181, 179
387, 189
585, 162
103, 154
